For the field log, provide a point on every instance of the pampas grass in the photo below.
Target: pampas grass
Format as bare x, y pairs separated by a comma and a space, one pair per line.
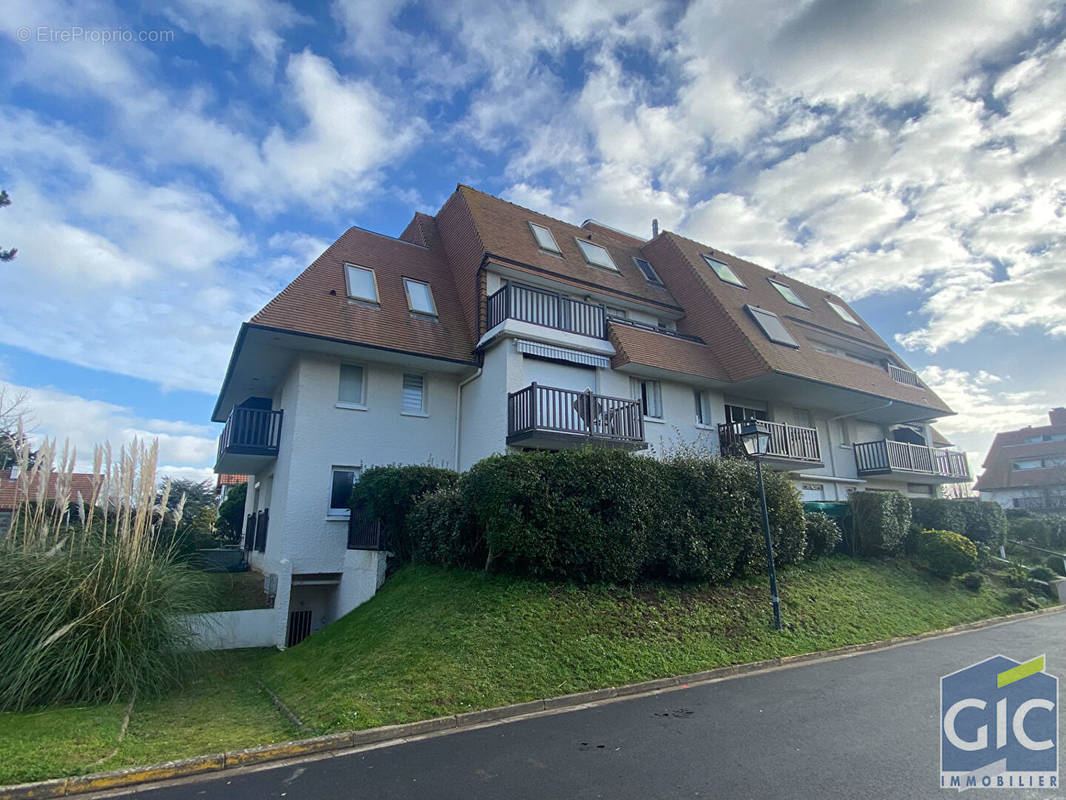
90, 600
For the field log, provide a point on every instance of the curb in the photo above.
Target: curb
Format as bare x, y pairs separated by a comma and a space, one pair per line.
218, 762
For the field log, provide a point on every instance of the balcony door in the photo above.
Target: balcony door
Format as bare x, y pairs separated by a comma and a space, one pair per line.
564, 408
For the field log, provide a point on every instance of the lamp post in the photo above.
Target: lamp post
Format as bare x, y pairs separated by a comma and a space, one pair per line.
756, 441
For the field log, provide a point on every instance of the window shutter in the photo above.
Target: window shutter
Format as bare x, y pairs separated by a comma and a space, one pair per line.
413, 393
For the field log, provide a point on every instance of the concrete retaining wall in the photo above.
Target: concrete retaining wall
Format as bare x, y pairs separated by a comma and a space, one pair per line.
228, 630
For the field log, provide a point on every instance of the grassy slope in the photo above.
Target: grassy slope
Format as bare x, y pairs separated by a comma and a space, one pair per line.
438, 642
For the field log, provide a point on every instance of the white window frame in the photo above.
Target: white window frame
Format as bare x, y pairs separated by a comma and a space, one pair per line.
357, 405
639, 395
844, 430
339, 513
534, 228
429, 290
704, 415
654, 278
583, 243
373, 279
424, 411
718, 267
843, 313
791, 295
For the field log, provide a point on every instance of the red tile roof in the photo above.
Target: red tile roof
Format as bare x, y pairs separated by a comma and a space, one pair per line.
80, 482
1010, 446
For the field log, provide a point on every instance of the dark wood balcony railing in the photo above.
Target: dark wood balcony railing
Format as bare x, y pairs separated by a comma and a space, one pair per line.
787, 442
546, 409
251, 431
886, 456
550, 309
364, 533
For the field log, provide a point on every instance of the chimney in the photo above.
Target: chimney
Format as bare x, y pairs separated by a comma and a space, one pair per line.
654, 228
1057, 416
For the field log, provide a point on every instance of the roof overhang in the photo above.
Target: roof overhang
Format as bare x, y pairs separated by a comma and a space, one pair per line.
262, 357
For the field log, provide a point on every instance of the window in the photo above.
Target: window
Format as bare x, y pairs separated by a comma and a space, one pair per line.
544, 238
419, 297
724, 271
651, 398
773, 327
920, 488
703, 408
649, 273
667, 325
734, 413
350, 391
341, 481
788, 293
361, 283
414, 394
845, 432
595, 255
843, 313
616, 313
1039, 463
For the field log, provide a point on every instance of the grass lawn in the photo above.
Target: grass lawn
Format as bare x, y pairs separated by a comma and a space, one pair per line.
438, 642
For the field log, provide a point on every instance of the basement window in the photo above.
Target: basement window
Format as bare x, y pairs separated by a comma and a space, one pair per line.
419, 297
545, 240
595, 255
724, 271
362, 285
843, 313
772, 326
647, 271
788, 293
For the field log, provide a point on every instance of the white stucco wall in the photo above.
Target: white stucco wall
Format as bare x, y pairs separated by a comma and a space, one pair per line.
228, 630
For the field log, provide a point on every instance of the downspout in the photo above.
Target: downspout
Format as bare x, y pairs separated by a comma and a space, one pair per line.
459, 410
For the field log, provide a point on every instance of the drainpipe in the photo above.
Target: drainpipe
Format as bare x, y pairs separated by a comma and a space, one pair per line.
459, 410
829, 430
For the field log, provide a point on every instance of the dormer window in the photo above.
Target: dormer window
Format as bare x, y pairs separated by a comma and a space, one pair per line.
772, 326
843, 313
545, 240
596, 256
362, 285
648, 272
788, 293
724, 271
419, 297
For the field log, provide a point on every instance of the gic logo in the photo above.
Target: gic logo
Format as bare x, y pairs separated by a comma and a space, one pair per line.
999, 726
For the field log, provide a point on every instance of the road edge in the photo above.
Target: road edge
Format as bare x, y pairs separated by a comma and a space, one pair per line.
395, 734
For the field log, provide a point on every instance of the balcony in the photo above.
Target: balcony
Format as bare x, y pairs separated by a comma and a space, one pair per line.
904, 376
916, 462
548, 309
551, 418
790, 445
249, 441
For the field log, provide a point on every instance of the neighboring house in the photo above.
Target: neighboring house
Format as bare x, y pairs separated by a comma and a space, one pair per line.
79, 482
1027, 468
226, 482
491, 327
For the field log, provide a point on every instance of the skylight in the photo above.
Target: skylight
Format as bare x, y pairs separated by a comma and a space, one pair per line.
843, 313
773, 327
361, 283
544, 238
648, 272
419, 297
788, 293
724, 271
595, 255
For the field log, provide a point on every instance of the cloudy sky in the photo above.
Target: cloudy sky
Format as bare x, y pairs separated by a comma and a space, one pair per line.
173, 165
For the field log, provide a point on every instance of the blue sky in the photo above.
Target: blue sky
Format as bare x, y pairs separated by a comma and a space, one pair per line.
174, 165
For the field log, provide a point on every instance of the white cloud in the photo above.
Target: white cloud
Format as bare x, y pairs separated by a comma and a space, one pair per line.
237, 24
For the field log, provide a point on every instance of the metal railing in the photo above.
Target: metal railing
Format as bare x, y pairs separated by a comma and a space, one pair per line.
552, 410
550, 309
364, 533
905, 376
885, 456
251, 431
792, 442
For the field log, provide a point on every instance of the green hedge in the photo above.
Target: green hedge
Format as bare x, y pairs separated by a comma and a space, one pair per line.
823, 535
879, 522
977, 520
592, 514
389, 493
947, 553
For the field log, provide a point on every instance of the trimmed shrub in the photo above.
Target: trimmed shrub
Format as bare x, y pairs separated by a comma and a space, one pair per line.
823, 535
1033, 530
972, 580
880, 521
947, 553
1055, 564
1041, 574
977, 520
1016, 597
444, 530
389, 493
937, 514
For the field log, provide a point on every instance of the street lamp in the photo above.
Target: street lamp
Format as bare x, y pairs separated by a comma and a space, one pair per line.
756, 441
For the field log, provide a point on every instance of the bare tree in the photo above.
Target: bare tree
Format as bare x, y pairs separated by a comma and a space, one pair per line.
14, 408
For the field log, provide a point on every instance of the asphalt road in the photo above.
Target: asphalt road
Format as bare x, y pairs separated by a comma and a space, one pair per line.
859, 727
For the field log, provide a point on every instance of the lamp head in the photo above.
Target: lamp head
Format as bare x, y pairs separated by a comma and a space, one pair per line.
755, 437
